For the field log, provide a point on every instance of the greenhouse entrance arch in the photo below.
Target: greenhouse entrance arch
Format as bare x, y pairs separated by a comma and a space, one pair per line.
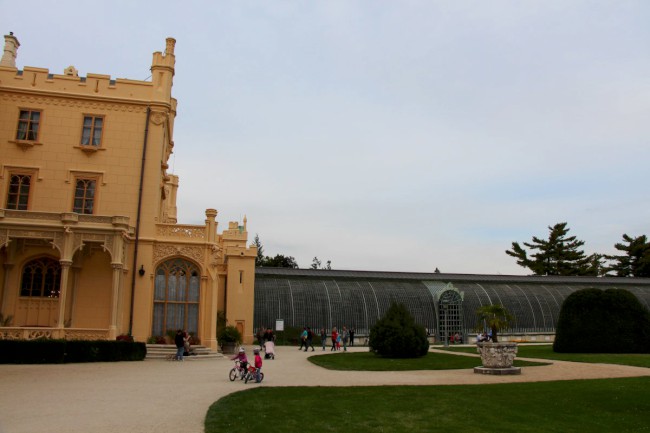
450, 315
176, 297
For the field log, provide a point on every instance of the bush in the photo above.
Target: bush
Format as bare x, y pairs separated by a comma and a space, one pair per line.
396, 335
602, 321
229, 334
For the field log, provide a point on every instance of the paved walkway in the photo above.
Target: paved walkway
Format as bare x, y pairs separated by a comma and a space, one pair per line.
163, 396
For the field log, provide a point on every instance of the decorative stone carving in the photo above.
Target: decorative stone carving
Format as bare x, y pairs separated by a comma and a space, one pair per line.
181, 231
162, 251
157, 117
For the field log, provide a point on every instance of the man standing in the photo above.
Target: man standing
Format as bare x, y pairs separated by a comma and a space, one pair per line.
310, 339
179, 340
351, 336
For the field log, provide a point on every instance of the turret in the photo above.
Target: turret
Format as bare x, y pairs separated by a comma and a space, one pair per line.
10, 52
162, 73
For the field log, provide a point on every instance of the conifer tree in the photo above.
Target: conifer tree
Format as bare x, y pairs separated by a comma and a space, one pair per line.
559, 255
635, 262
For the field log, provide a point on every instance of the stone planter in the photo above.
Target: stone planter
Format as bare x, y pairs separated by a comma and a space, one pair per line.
497, 358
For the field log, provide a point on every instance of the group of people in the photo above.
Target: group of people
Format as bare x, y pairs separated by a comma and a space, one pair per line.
338, 339
484, 337
182, 340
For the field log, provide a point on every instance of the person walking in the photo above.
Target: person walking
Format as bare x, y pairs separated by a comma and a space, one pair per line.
351, 336
323, 337
334, 337
344, 338
310, 339
303, 339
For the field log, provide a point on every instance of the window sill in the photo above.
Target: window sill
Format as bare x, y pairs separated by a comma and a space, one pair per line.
26, 144
89, 149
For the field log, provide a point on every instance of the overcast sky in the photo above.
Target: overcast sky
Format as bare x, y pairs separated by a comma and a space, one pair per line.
387, 135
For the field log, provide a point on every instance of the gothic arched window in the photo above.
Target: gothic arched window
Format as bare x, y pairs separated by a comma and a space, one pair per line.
176, 297
41, 278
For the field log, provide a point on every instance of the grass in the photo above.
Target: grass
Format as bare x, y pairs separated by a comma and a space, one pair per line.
432, 361
603, 405
546, 352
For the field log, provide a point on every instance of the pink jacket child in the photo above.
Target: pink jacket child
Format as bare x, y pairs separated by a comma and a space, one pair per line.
241, 356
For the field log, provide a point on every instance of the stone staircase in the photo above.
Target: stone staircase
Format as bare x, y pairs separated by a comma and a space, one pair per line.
166, 351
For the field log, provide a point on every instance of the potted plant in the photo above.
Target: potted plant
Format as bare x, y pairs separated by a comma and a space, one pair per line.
496, 358
229, 337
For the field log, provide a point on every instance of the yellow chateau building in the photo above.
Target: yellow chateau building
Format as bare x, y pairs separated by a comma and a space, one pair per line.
89, 243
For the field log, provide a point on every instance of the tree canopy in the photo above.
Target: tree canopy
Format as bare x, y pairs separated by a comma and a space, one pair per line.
559, 255
635, 262
495, 316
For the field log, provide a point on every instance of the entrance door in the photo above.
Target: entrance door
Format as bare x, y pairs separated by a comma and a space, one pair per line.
450, 316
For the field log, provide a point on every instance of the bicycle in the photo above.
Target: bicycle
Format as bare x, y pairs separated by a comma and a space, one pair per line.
237, 372
252, 373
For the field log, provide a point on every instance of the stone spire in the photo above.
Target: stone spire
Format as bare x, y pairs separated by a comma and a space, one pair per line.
11, 49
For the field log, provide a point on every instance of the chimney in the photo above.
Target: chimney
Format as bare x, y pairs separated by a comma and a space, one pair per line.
11, 47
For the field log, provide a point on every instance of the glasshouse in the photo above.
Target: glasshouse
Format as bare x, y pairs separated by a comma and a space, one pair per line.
445, 304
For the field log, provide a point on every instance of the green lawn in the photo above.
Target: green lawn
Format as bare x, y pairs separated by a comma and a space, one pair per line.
546, 352
605, 405
370, 362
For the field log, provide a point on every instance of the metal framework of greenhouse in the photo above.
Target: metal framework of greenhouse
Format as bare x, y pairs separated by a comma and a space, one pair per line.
442, 303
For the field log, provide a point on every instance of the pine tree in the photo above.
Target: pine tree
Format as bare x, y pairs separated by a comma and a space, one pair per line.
259, 260
636, 260
559, 255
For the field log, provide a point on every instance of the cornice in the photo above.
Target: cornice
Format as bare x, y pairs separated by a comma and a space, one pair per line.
27, 96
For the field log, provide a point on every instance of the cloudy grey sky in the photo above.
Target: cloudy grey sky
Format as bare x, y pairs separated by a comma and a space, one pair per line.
387, 135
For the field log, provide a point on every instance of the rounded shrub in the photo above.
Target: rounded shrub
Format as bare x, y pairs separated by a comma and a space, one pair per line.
396, 335
602, 321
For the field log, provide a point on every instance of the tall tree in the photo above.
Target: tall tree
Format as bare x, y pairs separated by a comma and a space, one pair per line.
317, 264
260, 250
559, 255
280, 261
635, 262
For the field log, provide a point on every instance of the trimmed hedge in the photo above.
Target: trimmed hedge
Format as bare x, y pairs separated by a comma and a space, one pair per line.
396, 335
602, 321
48, 351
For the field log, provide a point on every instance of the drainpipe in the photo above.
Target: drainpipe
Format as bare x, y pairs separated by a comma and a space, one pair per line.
137, 221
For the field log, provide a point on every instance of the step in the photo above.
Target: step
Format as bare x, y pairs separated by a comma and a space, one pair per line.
166, 351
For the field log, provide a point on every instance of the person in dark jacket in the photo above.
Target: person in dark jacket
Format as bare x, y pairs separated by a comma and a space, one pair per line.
179, 340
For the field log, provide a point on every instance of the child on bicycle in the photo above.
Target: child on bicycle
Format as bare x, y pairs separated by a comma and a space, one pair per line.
243, 361
258, 365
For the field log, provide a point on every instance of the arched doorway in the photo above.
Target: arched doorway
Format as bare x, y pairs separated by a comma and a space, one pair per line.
450, 316
176, 297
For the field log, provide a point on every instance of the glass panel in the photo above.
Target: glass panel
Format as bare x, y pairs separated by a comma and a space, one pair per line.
182, 288
194, 289
192, 318
171, 287
159, 293
37, 282
158, 317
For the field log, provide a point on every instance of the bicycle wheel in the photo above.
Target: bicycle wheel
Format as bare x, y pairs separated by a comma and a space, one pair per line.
261, 376
233, 374
247, 377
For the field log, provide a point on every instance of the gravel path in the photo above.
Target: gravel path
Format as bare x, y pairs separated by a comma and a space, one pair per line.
162, 396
